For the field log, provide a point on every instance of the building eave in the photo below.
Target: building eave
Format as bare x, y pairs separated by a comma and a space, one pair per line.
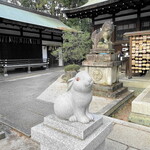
106, 7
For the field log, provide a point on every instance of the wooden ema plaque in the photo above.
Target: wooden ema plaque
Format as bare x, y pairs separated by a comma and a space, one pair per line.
139, 52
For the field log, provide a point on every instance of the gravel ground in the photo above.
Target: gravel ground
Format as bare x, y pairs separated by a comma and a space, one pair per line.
16, 141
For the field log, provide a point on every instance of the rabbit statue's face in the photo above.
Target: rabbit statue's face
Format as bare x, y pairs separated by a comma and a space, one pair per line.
83, 82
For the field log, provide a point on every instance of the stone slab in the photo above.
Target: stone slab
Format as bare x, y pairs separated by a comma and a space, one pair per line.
2, 135
131, 136
141, 104
101, 57
51, 137
102, 50
114, 145
140, 119
101, 64
75, 129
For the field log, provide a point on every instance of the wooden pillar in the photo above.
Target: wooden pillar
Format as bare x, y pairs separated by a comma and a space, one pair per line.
139, 19
93, 29
40, 32
129, 64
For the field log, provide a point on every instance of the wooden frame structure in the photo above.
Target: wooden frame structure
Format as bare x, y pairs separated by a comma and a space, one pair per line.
139, 62
121, 12
23, 33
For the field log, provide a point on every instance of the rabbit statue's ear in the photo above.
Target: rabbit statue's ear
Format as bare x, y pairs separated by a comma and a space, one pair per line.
70, 83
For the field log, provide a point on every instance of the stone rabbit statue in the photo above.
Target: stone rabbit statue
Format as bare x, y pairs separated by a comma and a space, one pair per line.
74, 104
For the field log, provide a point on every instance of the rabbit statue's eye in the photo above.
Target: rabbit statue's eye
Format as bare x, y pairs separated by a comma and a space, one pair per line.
77, 79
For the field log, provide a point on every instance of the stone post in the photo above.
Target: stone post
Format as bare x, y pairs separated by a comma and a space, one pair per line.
61, 63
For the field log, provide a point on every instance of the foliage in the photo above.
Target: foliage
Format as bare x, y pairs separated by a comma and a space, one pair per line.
49, 6
28, 3
72, 67
75, 47
78, 24
70, 71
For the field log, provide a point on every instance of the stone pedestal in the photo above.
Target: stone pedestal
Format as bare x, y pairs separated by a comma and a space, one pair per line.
57, 134
102, 65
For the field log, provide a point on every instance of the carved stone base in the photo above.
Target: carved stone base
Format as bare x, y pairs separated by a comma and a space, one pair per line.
56, 134
103, 68
103, 75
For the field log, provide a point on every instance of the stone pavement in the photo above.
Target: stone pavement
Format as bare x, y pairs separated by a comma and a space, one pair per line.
137, 82
19, 107
128, 136
125, 135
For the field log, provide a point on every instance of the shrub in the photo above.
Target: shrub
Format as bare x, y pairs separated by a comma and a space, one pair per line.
72, 67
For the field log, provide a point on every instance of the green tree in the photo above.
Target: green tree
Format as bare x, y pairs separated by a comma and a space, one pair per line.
75, 47
28, 4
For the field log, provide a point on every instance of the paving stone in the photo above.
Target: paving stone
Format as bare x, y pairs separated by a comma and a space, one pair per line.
130, 136
113, 145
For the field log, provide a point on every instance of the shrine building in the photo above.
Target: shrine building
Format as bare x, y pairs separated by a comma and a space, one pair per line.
27, 37
127, 16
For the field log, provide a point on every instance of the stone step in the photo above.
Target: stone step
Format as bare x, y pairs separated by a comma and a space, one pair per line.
75, 129
118, 92
106, 88
108, 94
